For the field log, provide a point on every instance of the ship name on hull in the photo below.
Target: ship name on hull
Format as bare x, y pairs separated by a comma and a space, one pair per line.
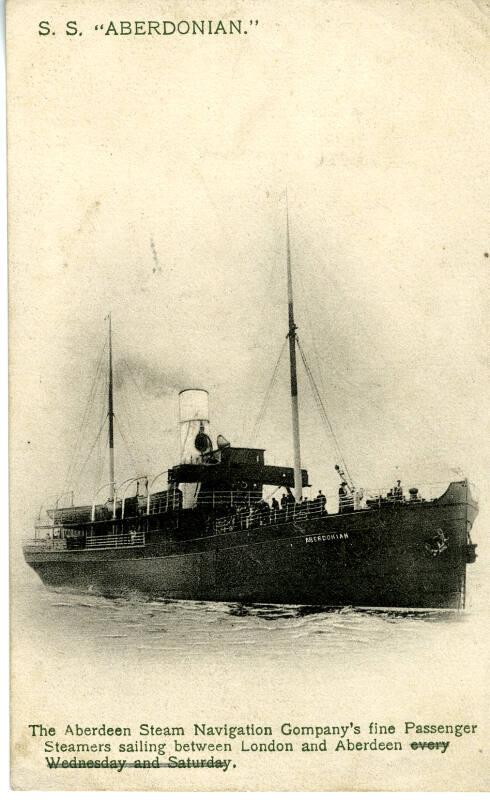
325, 537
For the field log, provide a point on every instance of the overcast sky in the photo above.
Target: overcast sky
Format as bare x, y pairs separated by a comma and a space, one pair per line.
147, 178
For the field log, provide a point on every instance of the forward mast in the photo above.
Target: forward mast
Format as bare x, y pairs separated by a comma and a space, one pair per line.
110, 414
298, 484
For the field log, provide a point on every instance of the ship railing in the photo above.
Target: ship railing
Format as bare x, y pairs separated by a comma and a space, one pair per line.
162, 504
99, 541
426, 491
51, 531
54, 537
230, 498
46, 543
150, 486
172, 501
261, 515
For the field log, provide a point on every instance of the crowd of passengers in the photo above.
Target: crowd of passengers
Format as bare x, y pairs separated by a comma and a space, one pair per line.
246, 515
251, 515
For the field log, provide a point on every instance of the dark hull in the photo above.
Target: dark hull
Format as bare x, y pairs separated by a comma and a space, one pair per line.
382, 557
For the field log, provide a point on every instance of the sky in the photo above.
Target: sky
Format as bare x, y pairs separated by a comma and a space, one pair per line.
148, 178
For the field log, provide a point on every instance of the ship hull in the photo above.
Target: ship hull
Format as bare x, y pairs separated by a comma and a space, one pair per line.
403, 556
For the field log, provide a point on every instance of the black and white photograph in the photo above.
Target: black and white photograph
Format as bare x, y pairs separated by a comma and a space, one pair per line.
249, 369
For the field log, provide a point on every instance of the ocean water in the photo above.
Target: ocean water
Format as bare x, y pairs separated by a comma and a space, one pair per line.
152, 628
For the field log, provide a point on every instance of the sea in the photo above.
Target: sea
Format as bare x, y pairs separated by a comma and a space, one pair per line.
154, 628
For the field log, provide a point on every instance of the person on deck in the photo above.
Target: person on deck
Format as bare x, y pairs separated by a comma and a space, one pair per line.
398, 491
264, 512
346, 501
321, 502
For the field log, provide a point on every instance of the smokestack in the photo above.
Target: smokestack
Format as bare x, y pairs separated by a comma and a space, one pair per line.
194, 435
194, 422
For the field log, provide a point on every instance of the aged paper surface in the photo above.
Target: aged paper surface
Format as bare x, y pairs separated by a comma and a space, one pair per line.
149, 149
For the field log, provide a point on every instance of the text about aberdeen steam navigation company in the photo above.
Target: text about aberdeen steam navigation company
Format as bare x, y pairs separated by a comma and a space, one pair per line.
225, 746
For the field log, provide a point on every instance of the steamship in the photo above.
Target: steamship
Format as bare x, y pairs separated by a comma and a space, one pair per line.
230, 527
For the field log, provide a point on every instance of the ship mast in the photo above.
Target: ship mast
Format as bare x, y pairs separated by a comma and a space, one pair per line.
298, 483
110, 414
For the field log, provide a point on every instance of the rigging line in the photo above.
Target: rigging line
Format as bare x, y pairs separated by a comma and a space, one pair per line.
319, 404
133, 378
98, 458
76, 477
332, 367
81, 430
326, 420
140, 454
260, 416
324, 417
101, 471
127, 420
259, 332
125, 442
143, 408
316, 353
309, 373
90, 452
101, 451
98, 465
130, 450
103, 416
322, 409
272, 493
311, 328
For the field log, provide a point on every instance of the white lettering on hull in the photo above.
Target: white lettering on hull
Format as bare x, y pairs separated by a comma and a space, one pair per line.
326, 537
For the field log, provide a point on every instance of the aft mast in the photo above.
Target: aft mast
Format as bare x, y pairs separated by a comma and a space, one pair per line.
110, 414
298, 484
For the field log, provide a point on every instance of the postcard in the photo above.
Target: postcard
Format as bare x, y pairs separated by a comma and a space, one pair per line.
249, 437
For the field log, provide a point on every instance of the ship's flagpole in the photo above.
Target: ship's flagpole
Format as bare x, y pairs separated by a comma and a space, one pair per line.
298, 484
110, 414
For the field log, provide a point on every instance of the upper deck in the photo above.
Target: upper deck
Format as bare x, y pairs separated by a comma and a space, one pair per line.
216, 513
